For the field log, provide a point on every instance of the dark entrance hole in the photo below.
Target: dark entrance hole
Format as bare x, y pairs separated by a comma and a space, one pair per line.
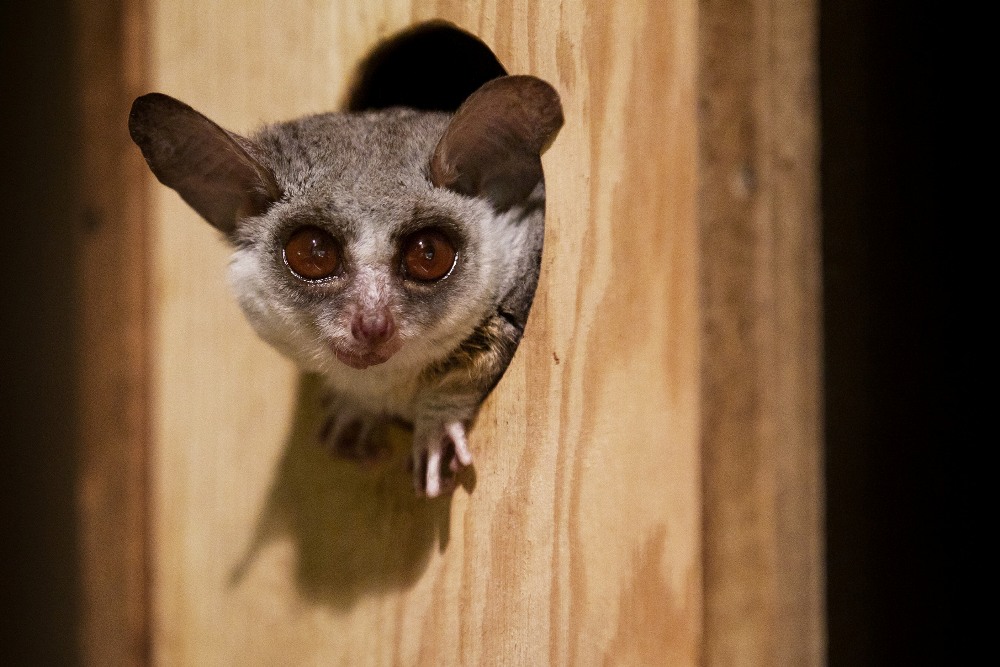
434, 66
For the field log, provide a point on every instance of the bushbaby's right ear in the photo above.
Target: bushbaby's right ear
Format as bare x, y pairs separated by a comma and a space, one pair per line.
492, 147
201, 161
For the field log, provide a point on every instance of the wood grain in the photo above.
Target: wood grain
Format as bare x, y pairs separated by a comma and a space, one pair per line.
760, 273
579, 539
114, 337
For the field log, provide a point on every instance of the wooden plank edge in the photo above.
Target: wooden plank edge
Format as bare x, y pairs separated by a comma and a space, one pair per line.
114, 354
761, 419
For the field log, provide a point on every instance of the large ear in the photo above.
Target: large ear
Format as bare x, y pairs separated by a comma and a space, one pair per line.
201, 161
492, 148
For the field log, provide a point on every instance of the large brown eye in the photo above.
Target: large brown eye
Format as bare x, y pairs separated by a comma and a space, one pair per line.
428, 255
312, 253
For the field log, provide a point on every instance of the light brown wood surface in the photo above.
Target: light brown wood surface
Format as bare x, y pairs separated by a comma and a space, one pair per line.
580, 542
647, 480
761, 350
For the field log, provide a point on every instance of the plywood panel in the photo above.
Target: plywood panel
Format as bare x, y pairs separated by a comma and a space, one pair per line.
580, 540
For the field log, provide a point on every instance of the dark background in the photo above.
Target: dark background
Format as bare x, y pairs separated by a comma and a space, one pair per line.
890, 474
886, 391
38, 558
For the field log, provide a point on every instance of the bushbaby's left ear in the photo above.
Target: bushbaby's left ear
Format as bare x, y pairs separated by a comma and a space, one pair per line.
204, 163
492, 147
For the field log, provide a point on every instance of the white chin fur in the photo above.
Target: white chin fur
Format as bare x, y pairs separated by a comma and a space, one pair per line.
387, 387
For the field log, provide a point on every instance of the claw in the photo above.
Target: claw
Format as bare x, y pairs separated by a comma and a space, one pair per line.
456, 431
432, 486
434, 457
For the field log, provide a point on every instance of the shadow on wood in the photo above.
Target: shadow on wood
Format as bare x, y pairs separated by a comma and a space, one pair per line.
356, 530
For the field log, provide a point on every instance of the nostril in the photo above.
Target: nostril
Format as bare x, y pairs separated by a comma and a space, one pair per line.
373, 328
385, 327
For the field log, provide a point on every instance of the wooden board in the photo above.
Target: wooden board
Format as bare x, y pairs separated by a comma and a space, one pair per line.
761, 421
580, 542
114, 338
265, 550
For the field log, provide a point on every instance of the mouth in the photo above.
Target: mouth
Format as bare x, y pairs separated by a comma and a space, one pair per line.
366, 358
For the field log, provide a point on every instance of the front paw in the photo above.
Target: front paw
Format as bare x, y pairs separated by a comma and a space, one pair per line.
355, 436
440, 451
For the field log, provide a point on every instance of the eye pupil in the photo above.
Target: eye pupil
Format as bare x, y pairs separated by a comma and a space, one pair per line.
312, 254
428, 255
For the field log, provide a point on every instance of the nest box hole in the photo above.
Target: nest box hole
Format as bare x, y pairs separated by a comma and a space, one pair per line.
433, 66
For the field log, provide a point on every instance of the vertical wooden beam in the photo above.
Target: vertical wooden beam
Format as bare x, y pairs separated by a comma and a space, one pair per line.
114, 275
761, 348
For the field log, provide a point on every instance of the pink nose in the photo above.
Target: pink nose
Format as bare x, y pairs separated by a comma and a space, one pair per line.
373, 328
